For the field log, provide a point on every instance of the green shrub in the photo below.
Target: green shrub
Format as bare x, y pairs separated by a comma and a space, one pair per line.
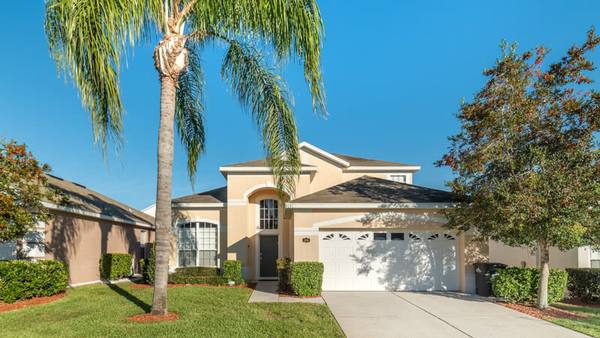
175, 278
197, 271
115, 266
148, 265
306, 278
520, 285
283, 272
21, 279
232, 270
584, 284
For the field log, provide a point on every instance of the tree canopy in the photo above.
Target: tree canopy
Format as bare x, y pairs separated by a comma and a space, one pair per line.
22, 191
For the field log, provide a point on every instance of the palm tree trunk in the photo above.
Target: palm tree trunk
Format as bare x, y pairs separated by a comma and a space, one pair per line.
163, 194
544, 254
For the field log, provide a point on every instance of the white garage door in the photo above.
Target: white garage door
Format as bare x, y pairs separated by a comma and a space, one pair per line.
390, 260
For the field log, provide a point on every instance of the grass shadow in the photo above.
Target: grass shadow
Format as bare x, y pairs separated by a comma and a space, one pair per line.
127, 295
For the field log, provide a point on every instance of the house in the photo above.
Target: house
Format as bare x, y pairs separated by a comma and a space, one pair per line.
364, 219
582, 257
83, 227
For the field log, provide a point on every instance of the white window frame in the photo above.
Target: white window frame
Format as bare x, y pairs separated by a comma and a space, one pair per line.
199, 220
405, 176
276, 219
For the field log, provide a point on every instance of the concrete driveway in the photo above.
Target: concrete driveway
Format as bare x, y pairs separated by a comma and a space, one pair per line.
424, 314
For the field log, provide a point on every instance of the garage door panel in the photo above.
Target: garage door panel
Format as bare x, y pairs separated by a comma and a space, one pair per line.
422, 261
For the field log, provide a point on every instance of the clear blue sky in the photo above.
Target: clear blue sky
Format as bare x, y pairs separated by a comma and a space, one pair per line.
395, 72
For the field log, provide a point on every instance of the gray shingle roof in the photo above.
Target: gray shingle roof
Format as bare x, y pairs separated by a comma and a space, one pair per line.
366, 162
82, 198
218, 195
368, 189
257, 163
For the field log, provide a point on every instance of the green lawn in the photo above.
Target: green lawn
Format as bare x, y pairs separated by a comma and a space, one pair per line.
101, 311
589, 325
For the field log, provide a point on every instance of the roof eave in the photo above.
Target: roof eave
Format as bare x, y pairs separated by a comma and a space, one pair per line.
316, 205
411, 168
224, 170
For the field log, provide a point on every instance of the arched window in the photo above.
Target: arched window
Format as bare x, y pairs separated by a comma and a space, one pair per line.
269, 214
197, 244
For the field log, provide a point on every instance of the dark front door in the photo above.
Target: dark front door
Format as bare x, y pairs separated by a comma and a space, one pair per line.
268, 256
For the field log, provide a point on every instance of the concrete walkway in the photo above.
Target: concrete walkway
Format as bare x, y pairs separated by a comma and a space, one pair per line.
422, 314
266, 292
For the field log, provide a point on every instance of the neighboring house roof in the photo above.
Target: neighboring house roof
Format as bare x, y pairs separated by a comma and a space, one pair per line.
218, 195
368, 189
82, 200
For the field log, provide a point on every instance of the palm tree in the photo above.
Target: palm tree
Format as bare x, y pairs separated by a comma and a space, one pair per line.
89, 38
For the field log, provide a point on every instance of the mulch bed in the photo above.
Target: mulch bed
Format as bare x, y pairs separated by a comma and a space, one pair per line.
150, 318
550, 312
148, 286
4, 307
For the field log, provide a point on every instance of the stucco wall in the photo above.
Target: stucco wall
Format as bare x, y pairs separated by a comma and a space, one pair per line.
518, 256
80, 241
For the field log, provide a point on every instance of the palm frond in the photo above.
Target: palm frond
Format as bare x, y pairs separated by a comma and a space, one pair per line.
294, 28
88, 39
263, 93
189, 110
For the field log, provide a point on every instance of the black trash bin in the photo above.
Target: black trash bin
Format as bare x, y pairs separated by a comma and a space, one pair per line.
483, 277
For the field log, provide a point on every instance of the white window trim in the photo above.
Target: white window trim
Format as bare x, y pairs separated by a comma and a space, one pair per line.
389, 177
198, 220
278, 214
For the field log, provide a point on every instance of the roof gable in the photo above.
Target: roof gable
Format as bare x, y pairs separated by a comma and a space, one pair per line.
218, 195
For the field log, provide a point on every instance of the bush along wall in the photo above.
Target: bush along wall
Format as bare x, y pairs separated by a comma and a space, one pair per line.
584, 284
24, 279
147, 267
114, 266
306, 278
520, 285
232, 271
197, 275
283, 272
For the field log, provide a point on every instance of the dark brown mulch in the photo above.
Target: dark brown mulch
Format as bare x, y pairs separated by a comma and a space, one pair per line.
148, 286
29, 302
550, 312
150, 318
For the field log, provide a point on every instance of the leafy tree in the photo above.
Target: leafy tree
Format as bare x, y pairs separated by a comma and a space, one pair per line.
89, 38
525, 161
22, 191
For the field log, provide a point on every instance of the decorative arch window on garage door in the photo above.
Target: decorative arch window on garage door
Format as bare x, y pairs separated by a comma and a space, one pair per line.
197, 244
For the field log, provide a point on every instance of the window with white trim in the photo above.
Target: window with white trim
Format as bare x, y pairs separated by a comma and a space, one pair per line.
197, 244
268, 214
397, 178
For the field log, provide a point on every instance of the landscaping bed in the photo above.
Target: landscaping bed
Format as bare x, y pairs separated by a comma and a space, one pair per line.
4, 307
550, 312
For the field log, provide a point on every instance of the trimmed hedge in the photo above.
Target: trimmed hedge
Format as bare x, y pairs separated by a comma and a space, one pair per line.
520, 285
175, 278
306, 278
197, 271
21, 279
232, 270
148, 265
115, 266
584, 284
283, 272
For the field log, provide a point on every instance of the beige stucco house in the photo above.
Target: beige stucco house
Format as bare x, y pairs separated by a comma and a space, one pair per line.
85, 225
581, 257
364, 219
